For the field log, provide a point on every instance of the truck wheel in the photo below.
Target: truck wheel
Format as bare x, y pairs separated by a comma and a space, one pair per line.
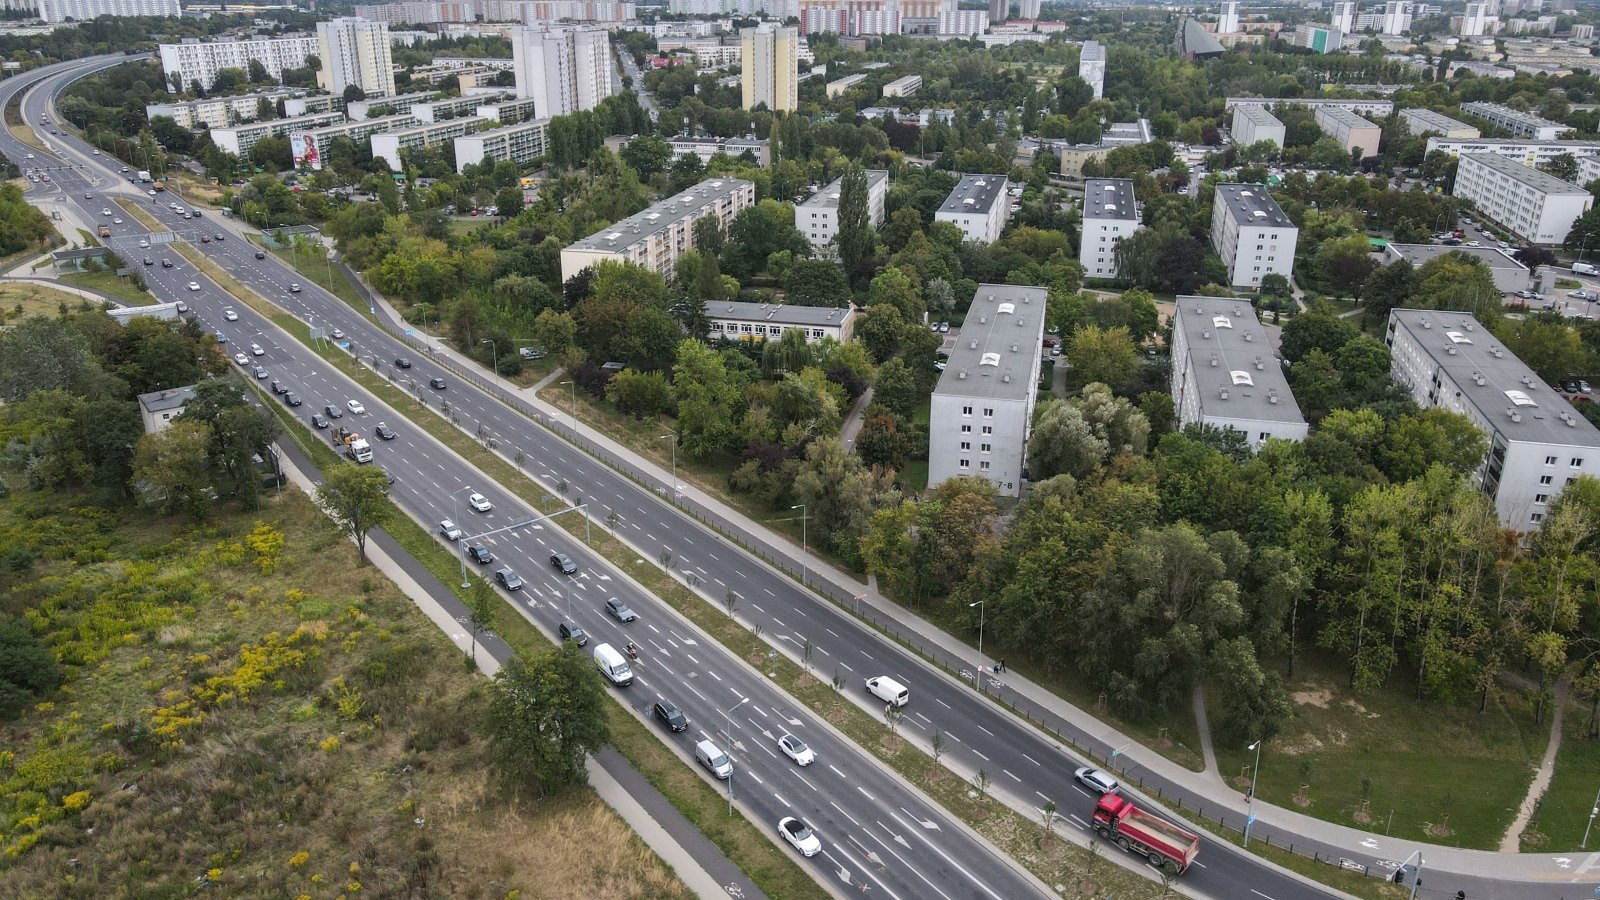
1123, 843
1156, 859
1100, 831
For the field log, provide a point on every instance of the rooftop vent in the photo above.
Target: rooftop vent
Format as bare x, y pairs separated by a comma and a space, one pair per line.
1520, 398
972, 345
1515, 416
1499, 352
1004, 308
1450, 350
1221, 322
1214, 361
1457, 337
1246, 194
1249, 338
1259, 364
1222, 393
1013, 348
1478, 377
990, 359
1006, 378
1272, 396
1570, 419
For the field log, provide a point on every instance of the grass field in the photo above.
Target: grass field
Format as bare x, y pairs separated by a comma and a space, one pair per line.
1446, 773
1563, 813
21, 300
107, 282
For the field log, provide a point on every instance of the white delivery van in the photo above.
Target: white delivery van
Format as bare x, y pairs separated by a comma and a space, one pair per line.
712, 757
612, 665
888, 690
1583, 268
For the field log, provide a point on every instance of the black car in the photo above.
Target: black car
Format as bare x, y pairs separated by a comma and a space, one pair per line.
384, 431
333, 412
260, 255
402, 363
563, 564
670, 715
620, 611
166, 264
317, 421
571, 632
292, 398
480, 554
436, 383
278, 388
508, 579
148, 261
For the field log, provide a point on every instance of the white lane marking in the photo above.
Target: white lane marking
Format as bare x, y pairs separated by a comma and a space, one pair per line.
1259, 894
903, 859
984, 730
951, 862
943, 704
1013, 777
830, 631
840, 774
980, 754
713, 674
1030, 759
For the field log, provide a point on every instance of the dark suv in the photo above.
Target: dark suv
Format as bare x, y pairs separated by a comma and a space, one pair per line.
563, 564
480, 554
670, 715
508, 579
571, 632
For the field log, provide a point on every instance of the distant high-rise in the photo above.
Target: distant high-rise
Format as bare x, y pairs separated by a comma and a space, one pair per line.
1476, 21
1397, 16
562, 70
1344, 16
84, 10
1092, 67
355, 52
1028, 9
769, 67
1228, 18
999, 10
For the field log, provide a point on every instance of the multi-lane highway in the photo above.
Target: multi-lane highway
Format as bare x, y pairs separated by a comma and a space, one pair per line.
857, 808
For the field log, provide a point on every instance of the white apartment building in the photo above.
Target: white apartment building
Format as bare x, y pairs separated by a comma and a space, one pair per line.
508, 112
978, 207
311, 147
1343, 16
1588, 169
295, 107
1253, 124
83, 10
963, 23
840, 87
818, 217
903, 87
1226, 375
1318, 38
981, 411
707, 147
215, 112
445, 109
655, 237
192, 60
1583, 32
238, 139
386, 106
1110, 214
1350, 130
355, 51
769, 67
1425, 121
1536, 206
739, 321
562, 69
1397, 16
1538, 444
520, 143
1377, 108
1477, 21
390, 145
1092, 67
1529, 153
1481, 69
1520, 124
1228, 17
1252, 235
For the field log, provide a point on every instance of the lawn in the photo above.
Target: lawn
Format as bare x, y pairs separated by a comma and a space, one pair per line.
1445, 772
1563, 814
107, 282
19, 300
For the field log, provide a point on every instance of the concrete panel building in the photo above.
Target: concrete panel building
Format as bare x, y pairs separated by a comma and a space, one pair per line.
509, 112
1536, 206
1253, 124
1092, 67
1226, 375
1318, 37
740, 321
1252, 235
707, 147
840, 87
978, 207
1510, 275
192, 60
1396, 16
355, 51
1529, 153
391, 145
1228, 17
215, 112
240, 138
818, 217
377, 107
903, 87
1362, 107
1518, 123
1538, 444
1110, 214
982, 408
1343, 16
1350, 130
654, 237
54, 11
312, 146
1477, 20
520, 143
562, 70
769, 68
1426, 121
159, 408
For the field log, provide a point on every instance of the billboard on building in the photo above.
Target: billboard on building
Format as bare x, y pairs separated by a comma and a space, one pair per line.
303, 147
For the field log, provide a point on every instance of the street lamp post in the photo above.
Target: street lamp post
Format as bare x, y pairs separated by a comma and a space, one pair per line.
461, 542
674, 437
574, 406
1250, 802
494, 354
805, 552
1593, 811
727, 732
979, 680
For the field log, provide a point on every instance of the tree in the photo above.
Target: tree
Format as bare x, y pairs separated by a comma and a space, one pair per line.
27, 667
1457, 281
815, 282
354, 94
1563, 166
508, 202
1388, 288
41, 354
170, 466
1345, 262
481, 605
1585, 231
647, 155
894, 287
1063, 443
1318, 328
356, 497
855, 237
555, 331
1106, 355
639, 394
546, 714
897, 389
706, 395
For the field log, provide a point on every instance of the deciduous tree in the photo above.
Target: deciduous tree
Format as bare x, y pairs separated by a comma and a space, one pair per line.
546, 714
356, 497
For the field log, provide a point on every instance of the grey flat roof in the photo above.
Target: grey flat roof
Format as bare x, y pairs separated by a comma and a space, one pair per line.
1092, 51
1226, 331
1485, 108
1539, 181
1479, 353
1109, 198
780, 313
1493, 257
158, 401
828, 197
1421, 120
1245, 200
1000, 339
1258, 115
1344, 117
659, 215
982, 190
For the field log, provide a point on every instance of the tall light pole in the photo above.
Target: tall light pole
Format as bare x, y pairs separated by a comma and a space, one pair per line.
674, 437
805, 552
1593, 811
979, 680
574, 406
494, 355
461, 542
727, 732
1250, 802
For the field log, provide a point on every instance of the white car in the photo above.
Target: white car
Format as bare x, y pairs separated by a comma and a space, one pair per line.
795, 832
356, 408
106, 211
796, 749
241, 359
194, 285
1096, 780
144, 244
116, 221
337, 334
230, 315
255, 350
479, 503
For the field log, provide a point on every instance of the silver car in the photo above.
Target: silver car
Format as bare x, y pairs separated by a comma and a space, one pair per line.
1096, 780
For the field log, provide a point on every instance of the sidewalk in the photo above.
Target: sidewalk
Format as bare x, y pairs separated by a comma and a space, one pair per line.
692, 856
1180, 787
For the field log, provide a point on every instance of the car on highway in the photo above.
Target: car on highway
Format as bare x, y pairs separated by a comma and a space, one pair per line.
106, 211
480, 554
333, 412
317, 421
436, 383
563, 564
796, 749
356, 407
116, 221
383, 431
479, 502
148, 261
449, 529
294, 287
222, 338
205, 238
508, 579
261, 254
670, 715
260, 372
241, 359
801, 837
218, 235
1096, 780
87, 195
402, 363
337, 334
194, 285
571, 632
277, 388
230, 315
620, 611
256, 350
292, 398
166, 264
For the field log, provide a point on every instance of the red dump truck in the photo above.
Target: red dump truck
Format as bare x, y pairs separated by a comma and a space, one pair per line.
1164, 844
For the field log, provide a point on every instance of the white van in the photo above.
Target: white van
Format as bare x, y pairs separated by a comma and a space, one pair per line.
888, 690
612, 665
715, 761
1583, 268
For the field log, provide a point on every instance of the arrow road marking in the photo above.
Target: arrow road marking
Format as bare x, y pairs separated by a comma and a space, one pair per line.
925, 823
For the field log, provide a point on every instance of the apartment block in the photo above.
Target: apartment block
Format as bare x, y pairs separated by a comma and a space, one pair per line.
355, 52
739, 321
214, 112
655, 237
903, 87
1092, 67
54, 11
448, 108
1318, 37
1520, 124
1477, 20
1426, 121
1252, 235
978, 207
1509, 274
563, 70
1396, 16
194, 61
1253, 124
295, 107
1351, 131
963, 23
1110, 213
707, 147
1529, 153
840, 87
387, 106
1228, 17
507, 112
238, 139
311, 147
981, 411
1226, 375
818, 217
391, 145
1538, 444
769, 67
1363, 107
1343, 16
1536, 206
520, 143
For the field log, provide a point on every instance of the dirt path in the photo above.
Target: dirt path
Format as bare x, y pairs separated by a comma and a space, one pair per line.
1512, 842
1201, 723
